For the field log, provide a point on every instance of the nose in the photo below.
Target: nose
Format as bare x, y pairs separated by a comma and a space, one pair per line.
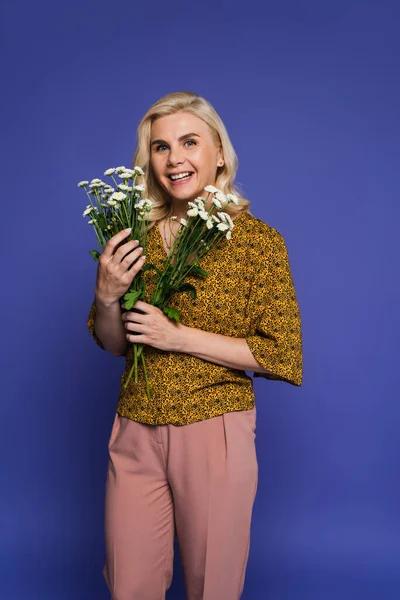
175, 157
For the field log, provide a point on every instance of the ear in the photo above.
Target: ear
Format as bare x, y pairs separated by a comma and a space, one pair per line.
221, 161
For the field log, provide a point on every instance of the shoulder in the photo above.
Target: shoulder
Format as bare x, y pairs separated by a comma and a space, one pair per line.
262, 235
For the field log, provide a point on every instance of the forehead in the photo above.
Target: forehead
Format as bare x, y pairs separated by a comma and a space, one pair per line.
173, 126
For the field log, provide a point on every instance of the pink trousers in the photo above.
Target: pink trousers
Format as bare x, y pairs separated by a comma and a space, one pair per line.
197, 481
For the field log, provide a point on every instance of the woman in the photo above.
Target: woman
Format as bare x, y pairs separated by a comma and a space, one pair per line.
185, 461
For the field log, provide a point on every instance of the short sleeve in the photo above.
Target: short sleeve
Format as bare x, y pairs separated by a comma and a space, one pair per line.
276, 336
90, 324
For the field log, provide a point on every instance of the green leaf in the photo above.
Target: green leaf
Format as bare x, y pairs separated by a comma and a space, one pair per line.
172, 313
95, 254
150, 267
197, 270
131, 298
156, 269
188, 287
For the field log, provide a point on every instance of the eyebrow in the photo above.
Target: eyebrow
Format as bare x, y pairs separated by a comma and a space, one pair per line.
183, 137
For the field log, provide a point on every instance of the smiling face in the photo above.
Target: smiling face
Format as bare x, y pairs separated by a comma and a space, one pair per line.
182, 143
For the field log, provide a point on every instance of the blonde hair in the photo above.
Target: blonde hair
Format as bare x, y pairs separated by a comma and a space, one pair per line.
193, 103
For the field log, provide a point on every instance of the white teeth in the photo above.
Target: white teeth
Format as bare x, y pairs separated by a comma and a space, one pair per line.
180, 176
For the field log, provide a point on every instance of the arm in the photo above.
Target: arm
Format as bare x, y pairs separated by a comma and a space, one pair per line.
107, 328
221, 349
273, 346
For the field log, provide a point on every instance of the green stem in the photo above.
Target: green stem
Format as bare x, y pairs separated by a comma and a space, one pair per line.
146, 378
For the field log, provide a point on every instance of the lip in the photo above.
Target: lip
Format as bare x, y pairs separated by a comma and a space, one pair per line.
180, 181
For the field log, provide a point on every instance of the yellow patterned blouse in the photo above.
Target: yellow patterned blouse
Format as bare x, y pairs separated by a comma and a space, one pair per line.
248, 293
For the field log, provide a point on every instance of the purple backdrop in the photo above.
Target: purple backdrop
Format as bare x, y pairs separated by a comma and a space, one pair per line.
309, 92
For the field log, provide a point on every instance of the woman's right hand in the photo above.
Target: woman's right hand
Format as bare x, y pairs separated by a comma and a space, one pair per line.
114, 277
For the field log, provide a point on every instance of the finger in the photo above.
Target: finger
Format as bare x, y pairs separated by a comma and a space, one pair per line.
134, 316
113, 243
147, 308
130, 253
134, 327
143, 306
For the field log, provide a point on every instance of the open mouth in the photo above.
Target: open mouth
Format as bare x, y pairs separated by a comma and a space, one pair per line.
182, 178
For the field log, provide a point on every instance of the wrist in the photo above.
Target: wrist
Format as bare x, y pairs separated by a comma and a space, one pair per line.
105, 302
183, 339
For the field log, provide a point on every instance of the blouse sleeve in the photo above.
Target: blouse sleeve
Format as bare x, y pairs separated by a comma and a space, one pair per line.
90, 324
275, 339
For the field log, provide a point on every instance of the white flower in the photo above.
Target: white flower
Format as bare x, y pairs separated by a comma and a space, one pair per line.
228, 235
82, 183
215, 218
174, 218
193, 212
144, 205
200, 204
225, 218
112, 202
122, 186
192, 204
119, 169
203, 214
229, 220
92, 222
109, 172
138, 170
97, 181
87, 211
109, 189
183, 222
141, 203
233, 198
126, 175
118, 196
140, 188
210, 224
222, 226
216, 202
221, 197
211, 188
95, 185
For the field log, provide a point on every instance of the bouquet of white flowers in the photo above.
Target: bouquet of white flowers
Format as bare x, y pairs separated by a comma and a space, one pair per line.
197, 234
113, 209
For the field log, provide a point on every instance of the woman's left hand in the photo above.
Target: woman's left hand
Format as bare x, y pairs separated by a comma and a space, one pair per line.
154, 327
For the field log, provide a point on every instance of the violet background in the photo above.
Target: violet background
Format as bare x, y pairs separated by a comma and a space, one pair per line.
310, 94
